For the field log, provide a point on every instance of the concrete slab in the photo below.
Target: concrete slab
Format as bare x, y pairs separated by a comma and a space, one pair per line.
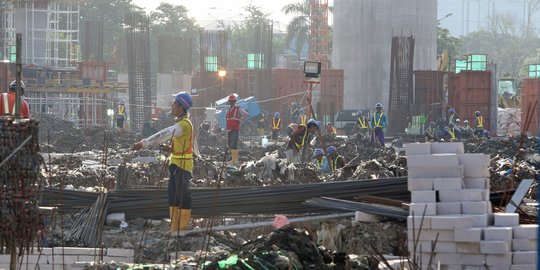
451, 222
526, 231
417, 209
474, 195
423, 196
418, 223
432, 160
524, 257
412, 149
452, 195
476, 183
475, 208
498, 234
499, 259
420, 184
447, 148
494, 247
524, 244
447, 183
468, 235
481, 221
448, 208
468, 248
436, 172
506, 219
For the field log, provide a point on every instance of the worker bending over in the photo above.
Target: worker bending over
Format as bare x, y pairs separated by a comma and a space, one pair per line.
298, 140
320, 161
335, 160
180, 160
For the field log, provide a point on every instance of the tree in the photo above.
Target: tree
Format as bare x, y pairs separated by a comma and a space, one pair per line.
173, 20
447, 42
298, 28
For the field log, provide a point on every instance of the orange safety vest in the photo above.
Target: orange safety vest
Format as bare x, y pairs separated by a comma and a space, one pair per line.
276, 125
233, 118
182, 146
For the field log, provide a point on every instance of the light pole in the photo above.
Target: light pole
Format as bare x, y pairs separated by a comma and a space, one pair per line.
445, 16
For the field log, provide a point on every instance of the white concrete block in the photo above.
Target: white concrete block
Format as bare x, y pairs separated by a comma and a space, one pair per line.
451, 222
447, 183
465, 259
526, 231
523, 267
360, 216
449, 208
449, 195
468, 235
423, 196
524, 257
498, 234
418, 222
474, 195
120, 252
476, 183
468, 248
433, 160
499, 259
114, 219
417, 209
418, 184
473, 267
445, 247
435, 172
481, 221
429, 235
412, 149
59, 259
447, 148
474, 159
476, 172
494, 247
475, 208
524, 244
75, 251
506, 219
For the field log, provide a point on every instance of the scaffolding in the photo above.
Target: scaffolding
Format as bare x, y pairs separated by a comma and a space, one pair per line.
7, 32
318, 38
92, 49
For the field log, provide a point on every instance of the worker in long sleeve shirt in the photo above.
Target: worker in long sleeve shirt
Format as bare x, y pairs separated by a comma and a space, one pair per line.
180, 160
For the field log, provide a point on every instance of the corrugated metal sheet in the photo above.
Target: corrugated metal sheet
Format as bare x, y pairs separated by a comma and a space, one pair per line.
93, 70
470, 91
428, 93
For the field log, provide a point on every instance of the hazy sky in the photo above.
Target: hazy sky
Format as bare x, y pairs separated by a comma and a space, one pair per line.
208, 11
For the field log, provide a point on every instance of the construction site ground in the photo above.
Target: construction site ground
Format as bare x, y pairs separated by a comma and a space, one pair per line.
88, 159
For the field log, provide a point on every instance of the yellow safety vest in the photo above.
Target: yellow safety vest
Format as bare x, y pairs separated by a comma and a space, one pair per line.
378, 123
479, 122
182, 146
333, 164
452, 134
275, 125
303, 120
121, 110
362, 122
301, 144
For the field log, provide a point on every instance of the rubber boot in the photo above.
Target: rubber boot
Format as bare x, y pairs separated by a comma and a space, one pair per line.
234, 156
185, 215
171, 210
175, 219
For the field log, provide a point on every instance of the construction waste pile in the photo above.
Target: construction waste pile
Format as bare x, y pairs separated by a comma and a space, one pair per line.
94, 160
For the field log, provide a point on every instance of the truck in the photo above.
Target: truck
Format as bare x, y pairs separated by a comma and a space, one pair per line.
249, 104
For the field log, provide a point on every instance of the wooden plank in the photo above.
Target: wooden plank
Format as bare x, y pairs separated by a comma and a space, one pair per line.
518, 196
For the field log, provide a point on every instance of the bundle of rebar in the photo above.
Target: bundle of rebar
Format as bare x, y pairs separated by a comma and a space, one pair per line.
19, 185
86, 230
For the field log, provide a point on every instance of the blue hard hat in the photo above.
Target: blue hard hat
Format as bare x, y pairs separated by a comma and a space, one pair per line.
445, 128
477, 113
359, 113
318, 152
330, 150
184, 98
276, 114
451, 110
313, 122
122, 102
378, 105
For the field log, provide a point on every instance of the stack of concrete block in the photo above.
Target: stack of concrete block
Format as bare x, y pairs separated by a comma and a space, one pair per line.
450, 203
68, 258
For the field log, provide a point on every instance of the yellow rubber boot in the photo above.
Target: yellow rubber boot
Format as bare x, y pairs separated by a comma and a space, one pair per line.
185, 215
175, 219
234, 156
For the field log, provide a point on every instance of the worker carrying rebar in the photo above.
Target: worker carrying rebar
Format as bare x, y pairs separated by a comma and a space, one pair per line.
276, 127
320, 161
180, 160
335, 160
298, 140
7, 101
378, 123
478, 124
234, 117
120, 115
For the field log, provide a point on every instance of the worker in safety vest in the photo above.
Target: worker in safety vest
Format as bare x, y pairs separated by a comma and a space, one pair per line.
362, 124
276, 126
298, 139
378, 123
7, 101
431, 133
302, 118
450, 133
478, 124
452, 117
335, 160
320, 161
120, 115
234, 117
180, 160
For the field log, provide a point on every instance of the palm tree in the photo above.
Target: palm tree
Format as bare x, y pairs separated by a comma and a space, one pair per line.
299, 26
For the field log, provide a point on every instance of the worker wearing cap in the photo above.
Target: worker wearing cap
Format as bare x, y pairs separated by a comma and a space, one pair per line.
180, 160
7, 101
276, 126
431, 133
120, 115
362, 124
298, 140
330, 129
336, 160
478, 124
234, 117
320, 161
378, 123
452, 117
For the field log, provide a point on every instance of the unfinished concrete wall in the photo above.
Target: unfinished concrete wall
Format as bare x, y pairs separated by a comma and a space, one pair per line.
362, 39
